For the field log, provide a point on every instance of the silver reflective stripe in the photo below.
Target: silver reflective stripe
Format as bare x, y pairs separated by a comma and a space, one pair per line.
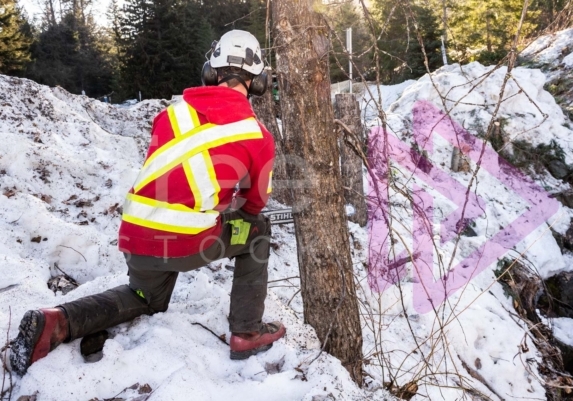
183, 117
160, 216
189, 145
203, 181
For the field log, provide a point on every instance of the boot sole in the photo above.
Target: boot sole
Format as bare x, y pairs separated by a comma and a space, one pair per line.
22, 348
239, 355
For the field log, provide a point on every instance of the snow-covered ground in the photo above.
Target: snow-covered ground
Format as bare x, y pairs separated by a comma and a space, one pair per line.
65, 164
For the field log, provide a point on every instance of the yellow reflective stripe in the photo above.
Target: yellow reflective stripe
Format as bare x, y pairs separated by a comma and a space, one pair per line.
175, 142
186, 146
155, 203
202, 180
194, 117
165, 216
183, 119
162, 227
207, 186
173, 121
247, 125
212, 177
171, 144
270, 187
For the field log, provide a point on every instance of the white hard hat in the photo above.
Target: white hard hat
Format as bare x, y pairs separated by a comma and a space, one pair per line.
238, 49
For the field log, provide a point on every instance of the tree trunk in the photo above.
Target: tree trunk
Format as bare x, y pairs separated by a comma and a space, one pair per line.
264, 108
347, 110
327, 281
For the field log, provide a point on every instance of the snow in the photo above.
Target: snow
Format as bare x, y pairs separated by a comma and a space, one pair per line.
562, 328
551, 48
480, 330
67, 161
553, 53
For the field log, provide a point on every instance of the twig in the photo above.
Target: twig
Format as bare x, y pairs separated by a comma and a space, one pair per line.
244, 16
15, 221
291, 298
8, 288
69, 247
212, 332
283, 279
479, 377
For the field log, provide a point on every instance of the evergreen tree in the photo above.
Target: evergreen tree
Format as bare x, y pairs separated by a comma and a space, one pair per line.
400, 24
483, 30
547, 13
161, 46
256, 20
342, 16
15, 38
72, 51
224, 15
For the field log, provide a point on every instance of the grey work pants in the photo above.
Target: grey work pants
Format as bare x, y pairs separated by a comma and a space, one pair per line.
151, 283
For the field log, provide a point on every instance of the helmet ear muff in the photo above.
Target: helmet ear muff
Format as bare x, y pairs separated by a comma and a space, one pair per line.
209, 75
258, 84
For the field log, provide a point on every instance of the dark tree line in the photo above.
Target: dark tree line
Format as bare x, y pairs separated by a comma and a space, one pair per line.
157, 47
71, 51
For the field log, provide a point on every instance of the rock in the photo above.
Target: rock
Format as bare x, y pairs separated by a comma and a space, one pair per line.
559, 295
568, 238
566, 354
565, 197
62, 283
469, 232
558, 169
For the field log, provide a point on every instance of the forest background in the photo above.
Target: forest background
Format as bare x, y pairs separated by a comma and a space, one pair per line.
156, 48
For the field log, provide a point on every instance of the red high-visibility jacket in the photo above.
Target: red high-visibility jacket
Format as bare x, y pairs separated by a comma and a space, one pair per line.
202, 148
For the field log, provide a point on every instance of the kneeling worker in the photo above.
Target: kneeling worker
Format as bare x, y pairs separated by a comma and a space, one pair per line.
177, 215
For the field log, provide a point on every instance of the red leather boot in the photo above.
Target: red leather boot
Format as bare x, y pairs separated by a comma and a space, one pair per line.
40, 332
243, 345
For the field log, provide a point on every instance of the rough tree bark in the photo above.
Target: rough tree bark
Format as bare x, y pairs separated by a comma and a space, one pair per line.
347, 111
327, 282
264, 108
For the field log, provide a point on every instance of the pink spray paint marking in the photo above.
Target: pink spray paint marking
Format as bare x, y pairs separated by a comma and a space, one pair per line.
385, 270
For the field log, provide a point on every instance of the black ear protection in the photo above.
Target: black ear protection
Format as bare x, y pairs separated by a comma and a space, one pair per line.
258, 84
209, 75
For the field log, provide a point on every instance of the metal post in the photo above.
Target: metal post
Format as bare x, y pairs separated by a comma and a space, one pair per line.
444, 56
349, 48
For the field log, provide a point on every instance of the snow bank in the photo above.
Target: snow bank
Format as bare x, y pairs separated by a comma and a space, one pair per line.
66, 163
552, 49
475, 333
553, 53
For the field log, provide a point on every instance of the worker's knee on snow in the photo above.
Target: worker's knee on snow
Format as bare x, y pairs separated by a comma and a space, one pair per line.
158, 305
156, 302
